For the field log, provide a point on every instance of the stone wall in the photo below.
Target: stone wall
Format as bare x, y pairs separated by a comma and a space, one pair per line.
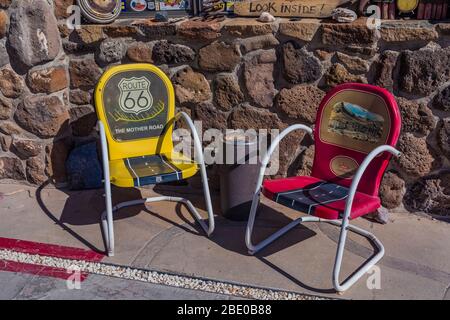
235, 73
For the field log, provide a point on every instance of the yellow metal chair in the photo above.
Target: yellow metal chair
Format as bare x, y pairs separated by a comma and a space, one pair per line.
135, 106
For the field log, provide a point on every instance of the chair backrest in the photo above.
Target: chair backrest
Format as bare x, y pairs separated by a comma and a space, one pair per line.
352, 120
135, 102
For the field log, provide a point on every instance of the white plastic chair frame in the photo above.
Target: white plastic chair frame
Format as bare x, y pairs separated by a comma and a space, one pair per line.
107, 216
343, 223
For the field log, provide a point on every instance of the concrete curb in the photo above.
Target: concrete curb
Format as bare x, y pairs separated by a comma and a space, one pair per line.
158, 277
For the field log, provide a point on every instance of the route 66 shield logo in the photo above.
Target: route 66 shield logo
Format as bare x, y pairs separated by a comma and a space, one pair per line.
135, 95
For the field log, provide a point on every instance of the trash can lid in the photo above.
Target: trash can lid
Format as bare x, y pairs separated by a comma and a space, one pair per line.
240, 138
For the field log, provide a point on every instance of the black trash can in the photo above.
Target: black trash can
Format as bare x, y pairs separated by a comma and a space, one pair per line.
238, 177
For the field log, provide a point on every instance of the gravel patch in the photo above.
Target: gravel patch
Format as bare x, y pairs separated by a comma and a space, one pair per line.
156, 277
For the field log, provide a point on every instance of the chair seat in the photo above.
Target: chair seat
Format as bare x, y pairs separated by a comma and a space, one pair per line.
148, 170
319, 198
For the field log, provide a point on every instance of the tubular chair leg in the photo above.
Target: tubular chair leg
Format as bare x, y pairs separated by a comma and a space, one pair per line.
341, 287
201, 162
254, 248
211, 225
108, 219
345, 227
107, 223
107, 216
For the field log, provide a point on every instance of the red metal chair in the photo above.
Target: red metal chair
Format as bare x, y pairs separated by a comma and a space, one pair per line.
356, 130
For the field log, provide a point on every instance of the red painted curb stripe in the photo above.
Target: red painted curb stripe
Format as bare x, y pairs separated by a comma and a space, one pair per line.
50, 250
35, 269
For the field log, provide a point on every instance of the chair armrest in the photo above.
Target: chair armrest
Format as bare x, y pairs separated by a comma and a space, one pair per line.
201, 161
197, 142
273, 147
360, 172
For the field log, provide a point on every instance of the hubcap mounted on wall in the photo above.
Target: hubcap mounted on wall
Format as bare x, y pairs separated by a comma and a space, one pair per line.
100, 11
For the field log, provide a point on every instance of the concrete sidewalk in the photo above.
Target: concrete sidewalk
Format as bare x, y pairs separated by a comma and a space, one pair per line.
164, 237
19, 286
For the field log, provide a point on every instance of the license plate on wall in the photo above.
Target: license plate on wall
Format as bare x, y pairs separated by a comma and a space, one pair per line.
147, 8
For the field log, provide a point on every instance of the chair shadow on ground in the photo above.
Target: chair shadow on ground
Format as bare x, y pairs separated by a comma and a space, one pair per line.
85, 208
188, 225
268, 221
81, 210
230, 235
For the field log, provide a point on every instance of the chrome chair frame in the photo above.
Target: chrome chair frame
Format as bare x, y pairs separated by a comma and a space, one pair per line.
343, 223
107, 218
